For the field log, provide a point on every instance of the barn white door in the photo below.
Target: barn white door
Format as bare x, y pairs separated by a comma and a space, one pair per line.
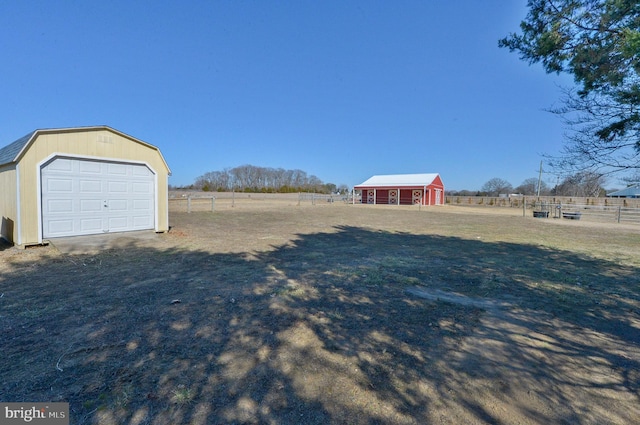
371, 196
84, 197
416, 197
393, 197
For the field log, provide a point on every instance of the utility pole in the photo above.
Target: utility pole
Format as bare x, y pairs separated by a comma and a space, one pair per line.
539, 179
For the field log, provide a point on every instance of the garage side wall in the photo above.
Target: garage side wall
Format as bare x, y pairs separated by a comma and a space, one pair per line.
8, 203
100, 144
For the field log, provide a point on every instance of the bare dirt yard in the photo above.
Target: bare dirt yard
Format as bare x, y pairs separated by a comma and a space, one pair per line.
277, 313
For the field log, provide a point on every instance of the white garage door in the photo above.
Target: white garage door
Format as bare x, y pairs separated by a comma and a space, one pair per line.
84, 197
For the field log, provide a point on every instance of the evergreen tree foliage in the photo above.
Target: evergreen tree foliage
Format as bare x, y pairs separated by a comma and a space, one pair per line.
598, 42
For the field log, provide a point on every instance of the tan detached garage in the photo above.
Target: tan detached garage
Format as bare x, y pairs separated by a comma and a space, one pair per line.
80, 181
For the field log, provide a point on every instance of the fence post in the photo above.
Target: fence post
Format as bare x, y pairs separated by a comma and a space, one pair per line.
524, 206
213, 202
189, 204
619, 212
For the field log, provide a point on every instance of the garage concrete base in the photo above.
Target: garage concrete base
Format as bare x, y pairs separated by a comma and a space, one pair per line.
95, 243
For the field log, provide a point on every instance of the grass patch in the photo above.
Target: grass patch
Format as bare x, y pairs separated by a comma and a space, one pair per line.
182, 395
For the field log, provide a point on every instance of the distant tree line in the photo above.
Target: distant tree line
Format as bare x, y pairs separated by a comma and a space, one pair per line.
254, 179
582, 184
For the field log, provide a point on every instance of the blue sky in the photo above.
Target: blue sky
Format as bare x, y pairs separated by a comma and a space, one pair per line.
340, 89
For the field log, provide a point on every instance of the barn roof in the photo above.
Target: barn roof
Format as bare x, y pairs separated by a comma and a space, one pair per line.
12, 152
394, 180
630, 192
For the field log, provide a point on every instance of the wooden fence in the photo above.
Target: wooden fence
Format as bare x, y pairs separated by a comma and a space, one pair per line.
517, 201
209, 201
620, 210
610, 213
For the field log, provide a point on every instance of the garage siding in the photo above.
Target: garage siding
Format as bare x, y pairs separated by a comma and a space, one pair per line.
95, 144
8, 203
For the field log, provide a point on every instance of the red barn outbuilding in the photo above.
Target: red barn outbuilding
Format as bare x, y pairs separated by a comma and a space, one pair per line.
402, 189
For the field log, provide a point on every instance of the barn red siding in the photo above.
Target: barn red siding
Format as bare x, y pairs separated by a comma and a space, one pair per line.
406, 196
382, 196
437, 182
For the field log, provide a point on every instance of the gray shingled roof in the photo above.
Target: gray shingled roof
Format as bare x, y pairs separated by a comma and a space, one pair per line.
9, 153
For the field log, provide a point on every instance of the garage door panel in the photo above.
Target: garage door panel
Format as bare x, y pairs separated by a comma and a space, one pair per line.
90, 206
60, 165
60, 206
117, 187
118, 223
118, 205
60, 185
117, 169
141, 187
91, 167
142, 205
90, 186
141, 171
96, 197
60, 227
90, 225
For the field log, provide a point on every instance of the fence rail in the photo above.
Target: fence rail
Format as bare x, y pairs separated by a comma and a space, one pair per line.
517, 201
320, 197
612, 214
594, 209
189, 202
620, 210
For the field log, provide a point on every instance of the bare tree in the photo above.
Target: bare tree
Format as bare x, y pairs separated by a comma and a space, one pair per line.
529, 187
496, 186
248, 177
261, 179
278, 178
299, 179
463, 192
584, 184
602, 135
633, 179
314, 184
216, 180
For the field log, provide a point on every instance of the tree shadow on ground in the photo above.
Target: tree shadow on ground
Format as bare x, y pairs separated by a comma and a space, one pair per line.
324, 330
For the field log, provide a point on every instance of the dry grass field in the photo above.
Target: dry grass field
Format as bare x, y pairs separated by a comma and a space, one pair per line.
271, 312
